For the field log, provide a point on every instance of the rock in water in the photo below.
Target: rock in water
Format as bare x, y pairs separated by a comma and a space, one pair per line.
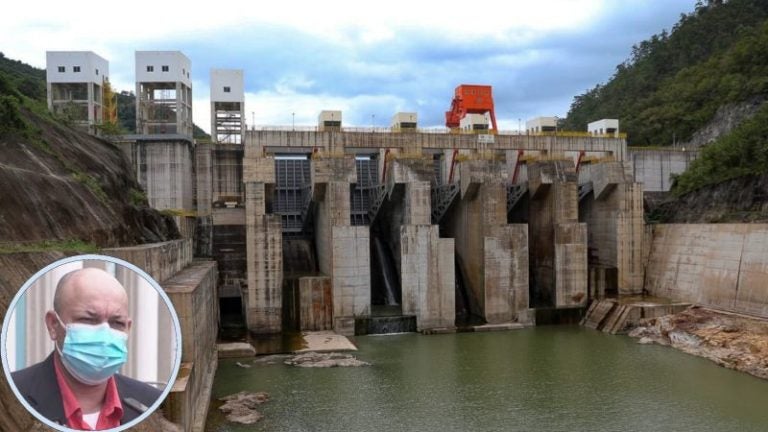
324, 360
241, 407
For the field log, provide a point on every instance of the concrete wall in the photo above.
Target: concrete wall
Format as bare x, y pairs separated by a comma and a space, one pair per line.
315, 303
264, 261
204, 186
270, 141
427, 276
723, 266
351, 275
614, 217
654, 168
193, 294
343, 251
494, 254
159, 260
558, 249
164, 170
227, 172
506, 273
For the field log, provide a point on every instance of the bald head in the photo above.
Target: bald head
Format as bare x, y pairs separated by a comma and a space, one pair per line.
92, 296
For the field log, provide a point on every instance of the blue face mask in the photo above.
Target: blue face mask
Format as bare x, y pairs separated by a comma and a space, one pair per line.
92, 353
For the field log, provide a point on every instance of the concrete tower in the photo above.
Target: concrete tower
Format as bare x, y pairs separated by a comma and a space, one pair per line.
76, 85
163, 93
227, 106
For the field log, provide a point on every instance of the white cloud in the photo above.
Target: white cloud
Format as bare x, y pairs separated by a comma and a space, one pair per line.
361, 58
79, 24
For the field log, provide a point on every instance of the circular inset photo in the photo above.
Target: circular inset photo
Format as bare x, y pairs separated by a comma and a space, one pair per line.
91, 342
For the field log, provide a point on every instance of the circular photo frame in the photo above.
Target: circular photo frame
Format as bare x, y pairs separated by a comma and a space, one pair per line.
153, 342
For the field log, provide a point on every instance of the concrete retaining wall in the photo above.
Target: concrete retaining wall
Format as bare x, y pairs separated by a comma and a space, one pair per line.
723, 266
159, 260
193, 294
654, 168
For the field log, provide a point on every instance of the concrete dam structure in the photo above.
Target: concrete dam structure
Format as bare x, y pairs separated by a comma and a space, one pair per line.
492, 225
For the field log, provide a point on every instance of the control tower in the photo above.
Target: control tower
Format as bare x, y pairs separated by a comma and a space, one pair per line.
163, 93
75, 81
227, 106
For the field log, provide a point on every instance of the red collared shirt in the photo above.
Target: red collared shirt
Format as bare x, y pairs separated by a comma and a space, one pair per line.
111, 410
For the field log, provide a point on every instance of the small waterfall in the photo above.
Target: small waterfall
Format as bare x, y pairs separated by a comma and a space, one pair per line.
389, 277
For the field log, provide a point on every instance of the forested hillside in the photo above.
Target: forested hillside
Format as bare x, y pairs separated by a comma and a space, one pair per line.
675, 81
674, 84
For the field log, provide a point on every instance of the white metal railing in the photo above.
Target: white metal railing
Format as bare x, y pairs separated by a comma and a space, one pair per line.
436, 130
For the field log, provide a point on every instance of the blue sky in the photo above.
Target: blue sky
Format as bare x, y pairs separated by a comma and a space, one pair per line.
367, 59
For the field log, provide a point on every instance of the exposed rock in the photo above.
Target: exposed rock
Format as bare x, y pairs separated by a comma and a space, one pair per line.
243, 365
15, 269
645, 340
733, 341
725, 120
64, 184
324, 360
241, 407
271, 359
743, 199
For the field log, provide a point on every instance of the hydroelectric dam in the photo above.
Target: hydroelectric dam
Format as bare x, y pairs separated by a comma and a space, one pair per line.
425, 224
401, 229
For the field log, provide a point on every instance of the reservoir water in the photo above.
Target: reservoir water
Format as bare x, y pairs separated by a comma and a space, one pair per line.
538, 379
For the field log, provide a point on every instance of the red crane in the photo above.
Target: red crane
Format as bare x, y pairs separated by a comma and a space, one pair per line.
470, 99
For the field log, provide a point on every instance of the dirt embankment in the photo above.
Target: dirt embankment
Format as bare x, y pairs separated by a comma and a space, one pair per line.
743, 199
733, 341
57, 183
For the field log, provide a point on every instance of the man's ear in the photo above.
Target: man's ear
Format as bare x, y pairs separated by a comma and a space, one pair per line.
128, 326
52, 325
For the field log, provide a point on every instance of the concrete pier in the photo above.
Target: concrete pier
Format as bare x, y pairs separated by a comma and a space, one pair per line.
494, 253
426, 261
262, 299
613, 212
559, 252
343, 250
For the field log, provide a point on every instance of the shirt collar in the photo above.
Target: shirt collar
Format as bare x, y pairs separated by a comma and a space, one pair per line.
111, 408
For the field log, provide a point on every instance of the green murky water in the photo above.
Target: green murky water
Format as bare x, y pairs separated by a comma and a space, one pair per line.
541, 379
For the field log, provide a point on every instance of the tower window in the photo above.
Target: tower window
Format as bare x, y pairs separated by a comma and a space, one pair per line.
62, 69
227, 89
76, 69
165, 68
97, 71
150, 68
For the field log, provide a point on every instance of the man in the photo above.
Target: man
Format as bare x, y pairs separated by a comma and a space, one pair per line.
77, 385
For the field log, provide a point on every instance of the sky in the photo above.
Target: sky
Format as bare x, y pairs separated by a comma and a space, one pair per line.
367, 59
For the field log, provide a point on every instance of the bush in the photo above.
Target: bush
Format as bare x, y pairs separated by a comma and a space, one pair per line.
10, 117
